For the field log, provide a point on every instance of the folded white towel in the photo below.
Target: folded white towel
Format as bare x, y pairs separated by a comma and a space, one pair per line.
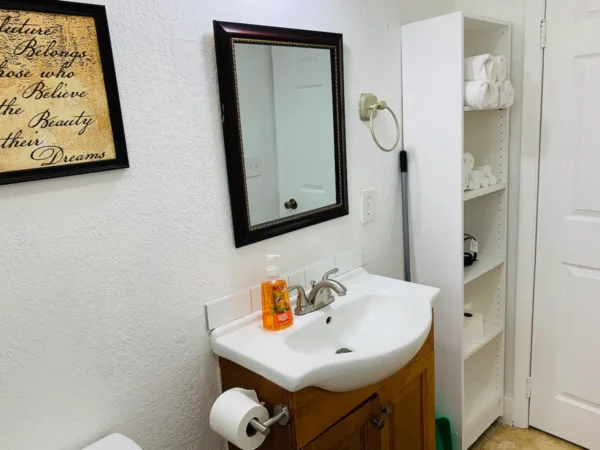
500, 68
481, 94
480, 67
507, 94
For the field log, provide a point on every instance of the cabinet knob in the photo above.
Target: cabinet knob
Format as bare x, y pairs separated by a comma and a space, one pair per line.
387, 410
291, 204
379, 423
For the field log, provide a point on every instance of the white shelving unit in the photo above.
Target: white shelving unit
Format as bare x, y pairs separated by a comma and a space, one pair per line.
438, 130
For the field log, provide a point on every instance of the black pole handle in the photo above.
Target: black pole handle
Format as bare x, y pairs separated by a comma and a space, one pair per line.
403, 162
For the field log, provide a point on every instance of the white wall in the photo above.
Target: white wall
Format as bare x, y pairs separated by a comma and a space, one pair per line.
512, 11
257, 110
103, 277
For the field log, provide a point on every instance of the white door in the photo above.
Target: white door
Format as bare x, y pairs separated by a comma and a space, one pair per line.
565, 397
304, 127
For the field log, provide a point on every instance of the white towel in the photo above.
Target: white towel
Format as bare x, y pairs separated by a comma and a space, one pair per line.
487, 175
469, 160
485, 181
500, 68
475, 178
480, 67
466, 169
486, 170
481, 94
507, 94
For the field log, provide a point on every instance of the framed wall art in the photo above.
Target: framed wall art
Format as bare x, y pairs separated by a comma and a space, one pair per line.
59, 102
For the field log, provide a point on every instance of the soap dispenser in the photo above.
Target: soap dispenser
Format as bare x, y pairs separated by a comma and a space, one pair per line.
276, 309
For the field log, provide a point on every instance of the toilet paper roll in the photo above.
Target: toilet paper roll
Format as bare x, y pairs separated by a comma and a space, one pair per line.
114, 442
231, 414
473, 327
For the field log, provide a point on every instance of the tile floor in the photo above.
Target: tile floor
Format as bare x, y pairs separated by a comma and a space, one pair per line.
503, 437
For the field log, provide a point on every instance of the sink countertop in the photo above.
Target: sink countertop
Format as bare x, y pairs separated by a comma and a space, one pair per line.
382, 321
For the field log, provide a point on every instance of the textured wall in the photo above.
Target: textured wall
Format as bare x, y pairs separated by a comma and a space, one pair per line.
103, 277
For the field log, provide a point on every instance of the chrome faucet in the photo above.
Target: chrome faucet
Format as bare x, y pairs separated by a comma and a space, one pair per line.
320, 294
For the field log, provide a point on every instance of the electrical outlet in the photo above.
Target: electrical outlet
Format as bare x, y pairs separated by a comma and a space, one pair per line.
367, 198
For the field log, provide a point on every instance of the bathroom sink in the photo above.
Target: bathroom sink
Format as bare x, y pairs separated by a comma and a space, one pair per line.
360, 339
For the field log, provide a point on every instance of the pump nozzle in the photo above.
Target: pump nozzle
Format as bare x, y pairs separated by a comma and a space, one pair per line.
272, 268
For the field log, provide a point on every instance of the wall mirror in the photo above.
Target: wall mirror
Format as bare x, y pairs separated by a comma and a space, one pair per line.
282, 104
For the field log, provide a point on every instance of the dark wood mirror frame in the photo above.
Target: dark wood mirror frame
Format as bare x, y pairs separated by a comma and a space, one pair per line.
226, 35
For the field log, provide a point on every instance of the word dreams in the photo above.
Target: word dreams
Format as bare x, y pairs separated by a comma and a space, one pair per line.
52, 155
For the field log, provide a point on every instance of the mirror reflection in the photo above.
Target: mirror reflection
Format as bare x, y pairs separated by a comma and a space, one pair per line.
286, 109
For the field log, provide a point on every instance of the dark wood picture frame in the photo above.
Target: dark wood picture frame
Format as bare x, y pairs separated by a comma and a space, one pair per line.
226, 35
98, 13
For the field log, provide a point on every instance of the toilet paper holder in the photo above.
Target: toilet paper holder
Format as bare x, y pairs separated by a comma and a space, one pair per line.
282, 417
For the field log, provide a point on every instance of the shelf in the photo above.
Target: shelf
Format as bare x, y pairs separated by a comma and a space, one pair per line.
468, 109
470, 195
485, 409
490, 332
483, 265
483, 399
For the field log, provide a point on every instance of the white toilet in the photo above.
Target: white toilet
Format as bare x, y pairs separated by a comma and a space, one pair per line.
115, 441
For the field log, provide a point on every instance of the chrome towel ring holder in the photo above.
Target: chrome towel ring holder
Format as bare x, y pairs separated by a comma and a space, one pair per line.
368, 104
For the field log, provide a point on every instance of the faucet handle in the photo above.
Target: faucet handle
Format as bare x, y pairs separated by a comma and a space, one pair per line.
301, 303
331, 272
312, 283
300, 289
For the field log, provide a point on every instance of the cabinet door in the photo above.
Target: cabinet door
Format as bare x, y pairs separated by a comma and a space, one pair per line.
358, 431
411, 423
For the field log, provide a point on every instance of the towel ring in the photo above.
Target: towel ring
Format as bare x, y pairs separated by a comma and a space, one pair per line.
368, 104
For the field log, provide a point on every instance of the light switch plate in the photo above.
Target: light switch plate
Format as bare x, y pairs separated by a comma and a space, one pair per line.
253, 166
367, 198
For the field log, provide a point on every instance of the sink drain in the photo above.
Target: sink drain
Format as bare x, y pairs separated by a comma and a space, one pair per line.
343, 350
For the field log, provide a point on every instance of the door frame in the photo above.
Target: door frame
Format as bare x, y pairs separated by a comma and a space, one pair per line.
535, 12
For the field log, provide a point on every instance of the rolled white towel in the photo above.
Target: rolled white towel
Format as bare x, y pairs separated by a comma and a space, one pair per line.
469, 160
485, 181
502, 98
480, 67
507, 96
486, 170
500, 68
488, 176
481, 94
475, 179
468, 163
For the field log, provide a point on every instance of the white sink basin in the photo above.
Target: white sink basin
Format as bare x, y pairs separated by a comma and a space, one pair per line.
383, 322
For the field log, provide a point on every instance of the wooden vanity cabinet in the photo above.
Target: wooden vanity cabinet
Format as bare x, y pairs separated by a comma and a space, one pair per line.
411, 425
356, 420
355, 432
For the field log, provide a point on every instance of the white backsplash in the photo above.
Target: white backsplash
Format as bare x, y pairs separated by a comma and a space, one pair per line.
231, 307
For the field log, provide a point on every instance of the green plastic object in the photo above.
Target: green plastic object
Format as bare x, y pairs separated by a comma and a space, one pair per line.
443, 434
